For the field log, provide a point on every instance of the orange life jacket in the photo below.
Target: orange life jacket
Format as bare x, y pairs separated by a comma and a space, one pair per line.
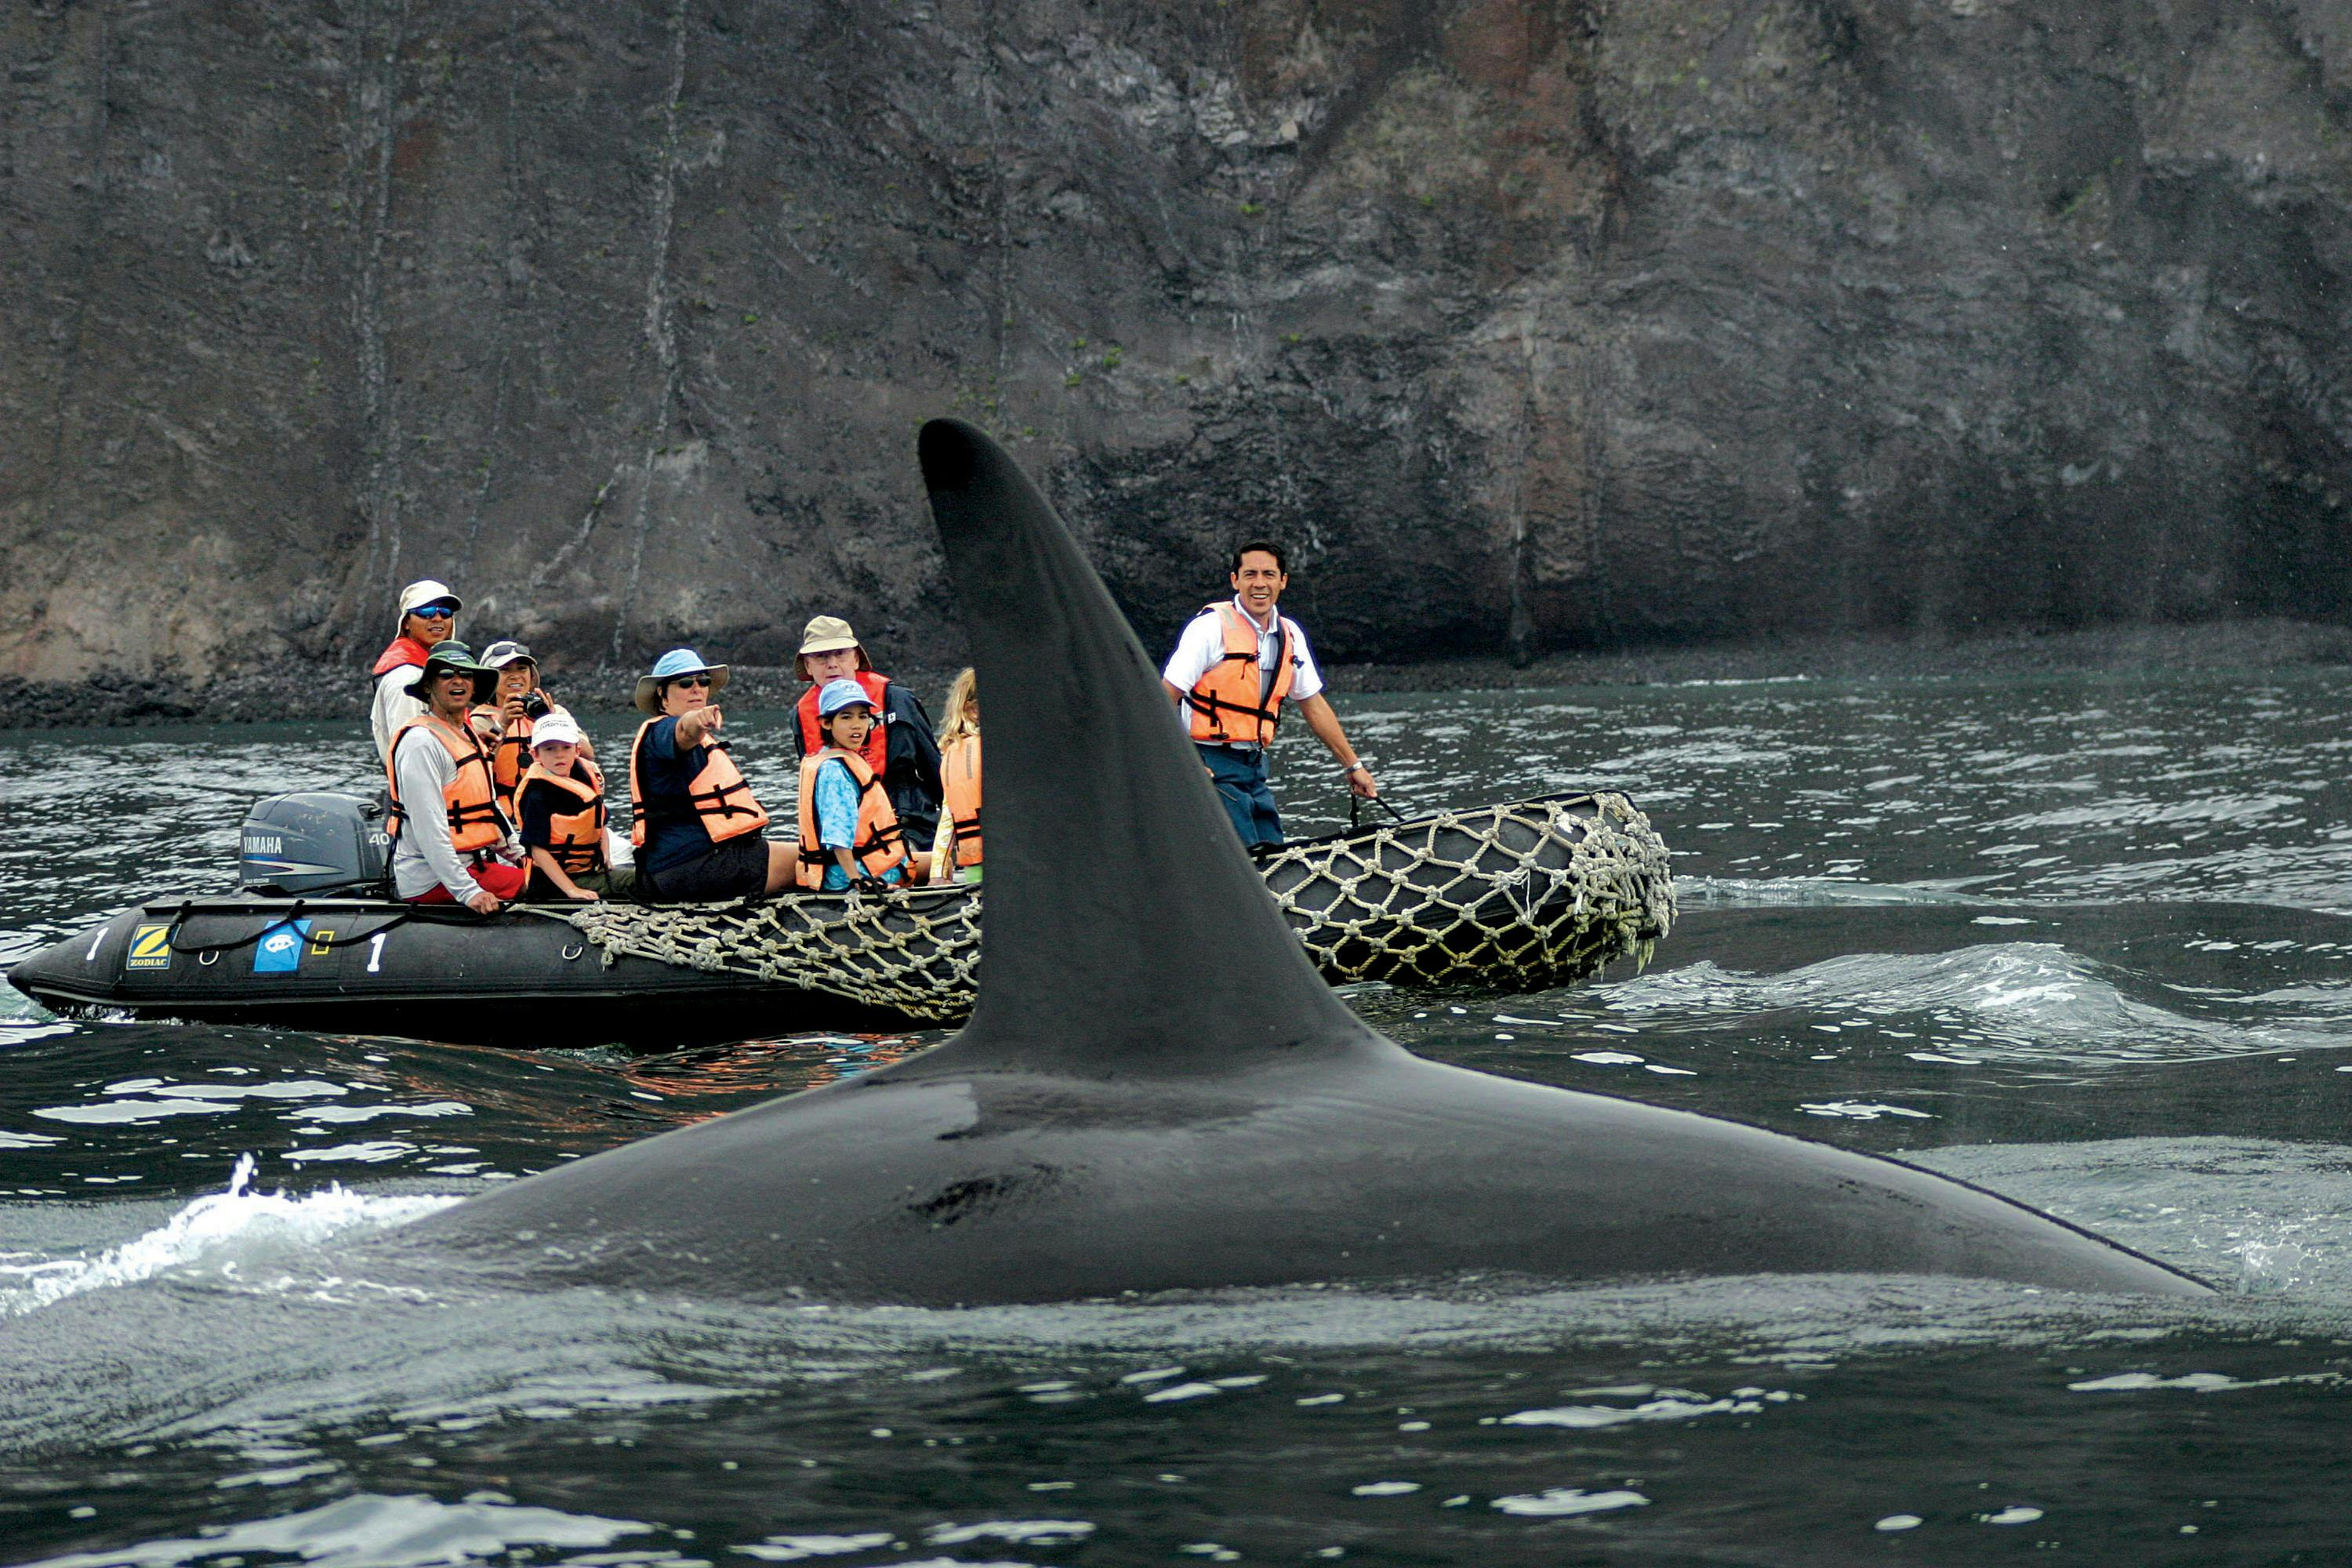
877, 846
575, 838
876, 750
960, 783
476, 823
1224, 702
511, 762
717, 797
402, 650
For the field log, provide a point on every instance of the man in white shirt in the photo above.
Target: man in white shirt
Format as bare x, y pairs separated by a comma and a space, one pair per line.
440, 773
427, 617
1235, 666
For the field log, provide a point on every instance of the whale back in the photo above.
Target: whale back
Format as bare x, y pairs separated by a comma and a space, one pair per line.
1157, 1091
1127, 930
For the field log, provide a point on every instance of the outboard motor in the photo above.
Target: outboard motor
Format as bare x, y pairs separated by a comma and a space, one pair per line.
313, 842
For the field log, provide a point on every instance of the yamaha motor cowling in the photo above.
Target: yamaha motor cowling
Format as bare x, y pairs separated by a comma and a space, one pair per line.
313, 842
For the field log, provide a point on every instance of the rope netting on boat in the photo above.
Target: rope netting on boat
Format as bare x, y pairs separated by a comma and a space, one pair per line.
1513, 897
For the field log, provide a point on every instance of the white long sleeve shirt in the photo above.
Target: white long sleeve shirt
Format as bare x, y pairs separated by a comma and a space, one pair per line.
423, 854
394, 706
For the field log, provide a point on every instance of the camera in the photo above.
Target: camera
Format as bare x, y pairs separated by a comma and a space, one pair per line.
535, 706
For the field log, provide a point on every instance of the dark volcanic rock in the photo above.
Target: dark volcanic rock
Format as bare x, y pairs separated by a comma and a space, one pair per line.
1532, 325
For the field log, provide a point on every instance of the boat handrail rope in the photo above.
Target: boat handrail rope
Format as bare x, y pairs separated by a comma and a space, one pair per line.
317, 944
1522, 896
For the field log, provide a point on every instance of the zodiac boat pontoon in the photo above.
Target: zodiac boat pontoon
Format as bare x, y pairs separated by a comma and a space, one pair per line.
1515, 897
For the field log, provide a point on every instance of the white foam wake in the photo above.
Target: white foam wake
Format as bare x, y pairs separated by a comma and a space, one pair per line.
2012, 1001
223, 1235
1814, 892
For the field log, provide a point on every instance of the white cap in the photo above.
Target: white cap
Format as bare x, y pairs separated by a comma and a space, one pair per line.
555, 727
423, 592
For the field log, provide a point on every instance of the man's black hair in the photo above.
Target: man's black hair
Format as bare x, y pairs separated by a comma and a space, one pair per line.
1281, 562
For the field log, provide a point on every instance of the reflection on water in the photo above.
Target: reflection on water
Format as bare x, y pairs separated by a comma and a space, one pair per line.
2086, 942
726, 1072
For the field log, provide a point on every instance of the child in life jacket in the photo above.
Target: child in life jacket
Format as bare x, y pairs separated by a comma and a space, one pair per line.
956, 846
561, 801
849, 831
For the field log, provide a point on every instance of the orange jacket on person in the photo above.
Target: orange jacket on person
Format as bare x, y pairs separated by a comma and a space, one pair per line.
575, 838
877, 846
1224, 704
402, 650
510, 760
721, 802
471, 799
876, 750
959, 781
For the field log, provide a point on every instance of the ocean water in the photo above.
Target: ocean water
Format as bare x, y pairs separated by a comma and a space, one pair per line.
2085, 940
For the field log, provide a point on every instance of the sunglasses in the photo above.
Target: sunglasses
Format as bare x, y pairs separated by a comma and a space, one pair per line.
690, 680
435, 612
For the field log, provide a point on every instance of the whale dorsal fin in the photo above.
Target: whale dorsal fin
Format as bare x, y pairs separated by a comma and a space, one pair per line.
1126, 929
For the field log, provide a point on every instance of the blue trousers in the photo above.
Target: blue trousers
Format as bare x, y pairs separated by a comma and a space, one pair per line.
1241, 780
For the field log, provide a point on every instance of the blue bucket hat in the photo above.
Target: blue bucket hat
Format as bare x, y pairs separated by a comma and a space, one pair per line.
677, 661
840, 694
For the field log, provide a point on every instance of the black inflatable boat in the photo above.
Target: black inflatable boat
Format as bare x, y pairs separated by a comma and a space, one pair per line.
372, 966
311, 942
1519, 896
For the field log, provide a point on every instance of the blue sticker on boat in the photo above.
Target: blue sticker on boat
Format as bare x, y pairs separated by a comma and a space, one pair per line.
280, 951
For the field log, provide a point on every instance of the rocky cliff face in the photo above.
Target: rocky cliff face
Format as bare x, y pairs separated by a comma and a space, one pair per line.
1530, 323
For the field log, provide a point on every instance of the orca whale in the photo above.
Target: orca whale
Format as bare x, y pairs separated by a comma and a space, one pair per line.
1156, 1091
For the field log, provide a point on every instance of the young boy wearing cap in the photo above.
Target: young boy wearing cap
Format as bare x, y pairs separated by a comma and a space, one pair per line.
849, 831
560, 802
898, 746
427, 617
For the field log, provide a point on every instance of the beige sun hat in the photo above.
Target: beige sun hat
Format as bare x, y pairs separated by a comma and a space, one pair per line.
424, 591
827, 634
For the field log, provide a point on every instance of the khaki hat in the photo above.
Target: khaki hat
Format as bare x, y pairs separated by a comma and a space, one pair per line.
424, 591
828, 634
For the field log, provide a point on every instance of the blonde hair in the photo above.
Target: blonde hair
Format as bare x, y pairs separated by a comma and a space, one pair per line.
961, 721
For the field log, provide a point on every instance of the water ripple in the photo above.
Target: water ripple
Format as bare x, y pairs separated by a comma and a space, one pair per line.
374, 1532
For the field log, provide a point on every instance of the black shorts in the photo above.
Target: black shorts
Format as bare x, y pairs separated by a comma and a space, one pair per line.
735, 869
606, 884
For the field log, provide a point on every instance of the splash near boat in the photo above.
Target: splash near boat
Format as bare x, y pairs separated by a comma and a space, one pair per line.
1519, 896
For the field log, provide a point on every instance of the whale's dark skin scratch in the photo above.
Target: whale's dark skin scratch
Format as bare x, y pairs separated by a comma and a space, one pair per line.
1156, 1090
